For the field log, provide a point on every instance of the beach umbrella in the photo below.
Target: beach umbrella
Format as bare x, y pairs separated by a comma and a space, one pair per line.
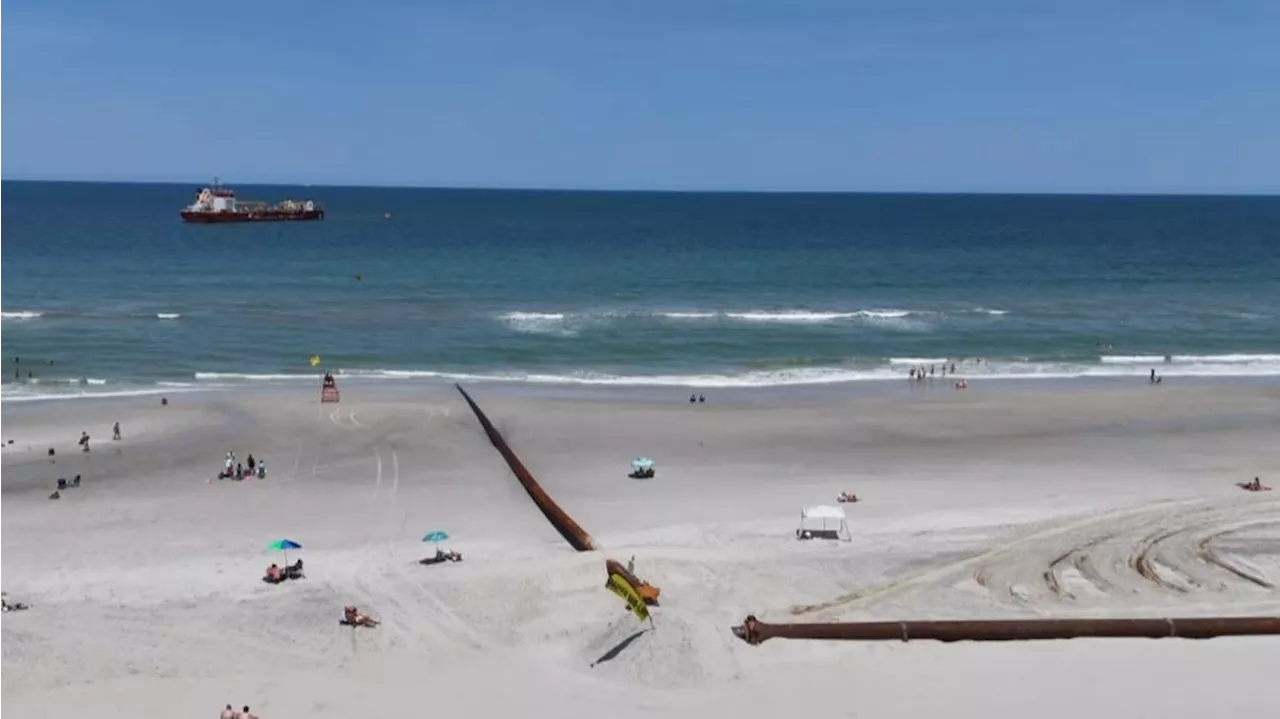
642, 463
437, 536
283, 545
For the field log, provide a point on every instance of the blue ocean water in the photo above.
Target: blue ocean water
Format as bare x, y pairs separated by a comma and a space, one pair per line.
106, 290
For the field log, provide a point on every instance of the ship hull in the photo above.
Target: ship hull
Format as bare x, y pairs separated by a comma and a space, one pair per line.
208, 218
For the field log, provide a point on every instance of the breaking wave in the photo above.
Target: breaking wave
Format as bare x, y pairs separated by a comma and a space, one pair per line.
90, 388
570, 324
894, 368
21, 315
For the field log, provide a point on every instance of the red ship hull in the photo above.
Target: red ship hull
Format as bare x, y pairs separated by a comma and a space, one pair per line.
256, 216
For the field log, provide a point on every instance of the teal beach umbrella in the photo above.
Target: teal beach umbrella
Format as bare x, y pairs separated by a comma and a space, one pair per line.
283, 545
437, 536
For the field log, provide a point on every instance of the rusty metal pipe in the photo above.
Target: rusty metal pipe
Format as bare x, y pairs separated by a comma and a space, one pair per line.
575, 535
754, 631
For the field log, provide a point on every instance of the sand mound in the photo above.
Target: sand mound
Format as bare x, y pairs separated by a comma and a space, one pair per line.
676, 651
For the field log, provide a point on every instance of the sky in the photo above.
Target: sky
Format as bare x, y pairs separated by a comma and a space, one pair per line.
831, 95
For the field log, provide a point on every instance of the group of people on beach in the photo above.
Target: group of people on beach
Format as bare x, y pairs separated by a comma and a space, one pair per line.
83, 442
244, 713
84, 437
919, 373
11, 606
233, 469
277, 574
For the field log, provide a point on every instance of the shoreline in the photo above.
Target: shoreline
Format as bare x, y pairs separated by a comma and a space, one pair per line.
886, 387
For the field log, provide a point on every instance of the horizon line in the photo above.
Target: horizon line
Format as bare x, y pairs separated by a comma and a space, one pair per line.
680, 191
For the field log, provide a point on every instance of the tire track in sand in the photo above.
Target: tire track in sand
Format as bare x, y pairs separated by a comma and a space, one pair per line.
1205, 550
863, 597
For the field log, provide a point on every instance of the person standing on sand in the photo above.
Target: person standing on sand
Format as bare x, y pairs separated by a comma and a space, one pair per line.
228, 713
246, 714
84, 441
115, 431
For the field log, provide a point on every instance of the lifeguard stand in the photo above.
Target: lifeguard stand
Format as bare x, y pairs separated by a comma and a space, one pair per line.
328, 392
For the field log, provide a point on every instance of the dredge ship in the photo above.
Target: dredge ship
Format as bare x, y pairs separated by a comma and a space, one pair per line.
219, 204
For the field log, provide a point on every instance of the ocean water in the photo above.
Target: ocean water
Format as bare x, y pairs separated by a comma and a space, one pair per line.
105, 290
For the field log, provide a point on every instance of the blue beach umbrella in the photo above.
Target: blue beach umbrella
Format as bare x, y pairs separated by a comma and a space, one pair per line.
283, 545
642, 463
437, 536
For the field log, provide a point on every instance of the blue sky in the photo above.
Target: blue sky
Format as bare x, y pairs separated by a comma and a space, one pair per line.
921, 95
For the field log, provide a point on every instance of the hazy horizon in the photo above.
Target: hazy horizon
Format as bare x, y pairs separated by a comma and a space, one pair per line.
636, 190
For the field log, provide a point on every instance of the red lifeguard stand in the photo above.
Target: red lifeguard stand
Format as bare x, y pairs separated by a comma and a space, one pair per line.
329, 390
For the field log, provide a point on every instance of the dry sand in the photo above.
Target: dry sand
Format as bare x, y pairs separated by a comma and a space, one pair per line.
147, 599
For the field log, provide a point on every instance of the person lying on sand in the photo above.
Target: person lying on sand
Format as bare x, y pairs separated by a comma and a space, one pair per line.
11, 607
1255, 486
442, 556
847, 497
352, 616
293, 571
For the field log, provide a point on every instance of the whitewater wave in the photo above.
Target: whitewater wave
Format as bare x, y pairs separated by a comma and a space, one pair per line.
21, 315
689, 315
917, 361
168, 315
541, 323
572, 323
808, 317
34, 393
1234, 358
1227, 365
250, 377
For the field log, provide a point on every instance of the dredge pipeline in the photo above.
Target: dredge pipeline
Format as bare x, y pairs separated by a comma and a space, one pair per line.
575, 535
754, 631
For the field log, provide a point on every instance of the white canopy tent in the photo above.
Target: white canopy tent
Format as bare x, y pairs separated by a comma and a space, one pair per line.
823, 521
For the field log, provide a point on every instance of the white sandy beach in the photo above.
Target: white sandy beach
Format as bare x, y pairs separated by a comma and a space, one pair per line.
1026, 502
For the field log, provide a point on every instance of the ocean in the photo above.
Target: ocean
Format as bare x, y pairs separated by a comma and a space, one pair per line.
106, 291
